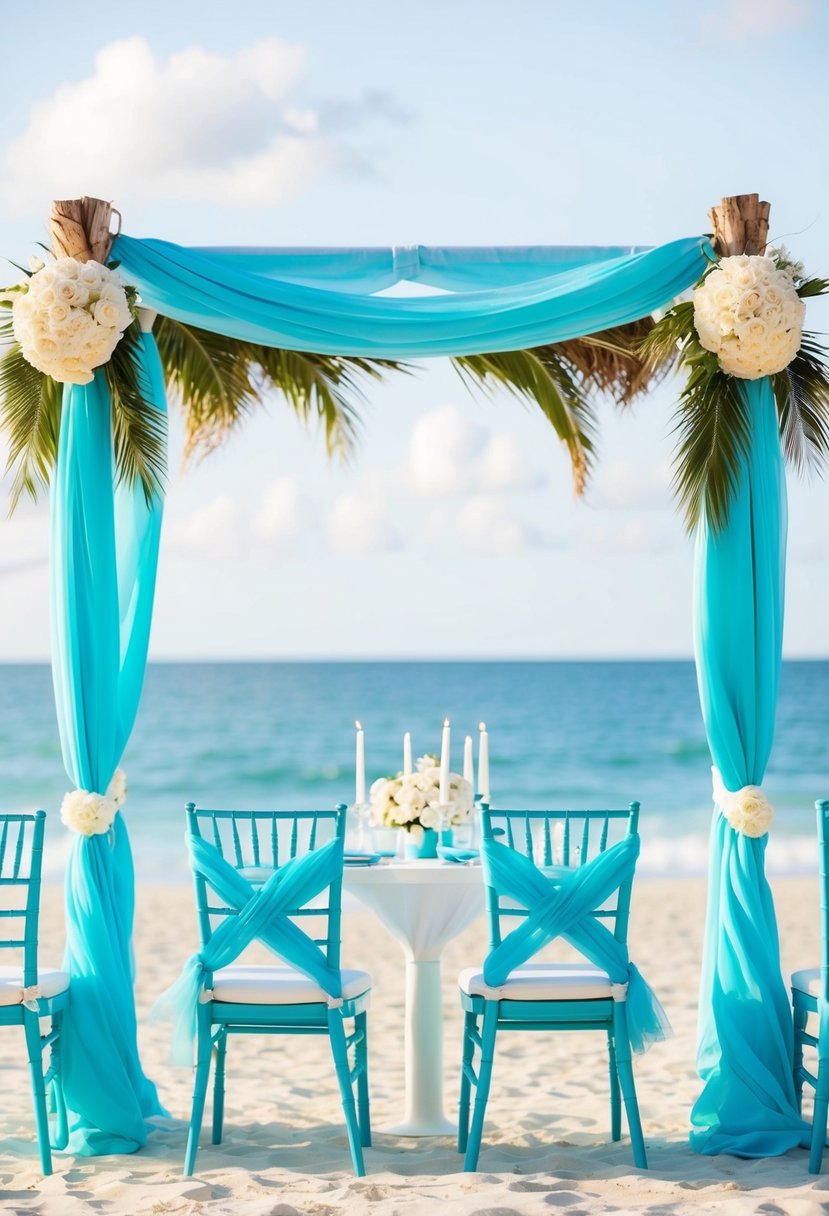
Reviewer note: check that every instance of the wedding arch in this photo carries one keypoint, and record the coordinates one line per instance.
(544, 321)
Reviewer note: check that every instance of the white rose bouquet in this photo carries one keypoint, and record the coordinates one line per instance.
(748, 313)
(413, 802)
(69, 316)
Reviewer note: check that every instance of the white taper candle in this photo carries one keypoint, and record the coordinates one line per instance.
(445, 747)
(483, 764)
(468, 764)
(360, 776)
(407, 754)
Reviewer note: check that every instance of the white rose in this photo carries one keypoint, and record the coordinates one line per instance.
(107, 312)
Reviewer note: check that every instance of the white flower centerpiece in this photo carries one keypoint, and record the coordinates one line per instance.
(68, 317)
(413, 804)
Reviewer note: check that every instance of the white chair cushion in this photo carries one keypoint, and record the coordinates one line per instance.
(807, 980)
(50, 983)
(541, 982)
(251, 985)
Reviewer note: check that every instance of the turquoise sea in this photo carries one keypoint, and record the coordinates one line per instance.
(261, 735)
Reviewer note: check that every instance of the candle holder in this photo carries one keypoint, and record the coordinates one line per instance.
(358, 833)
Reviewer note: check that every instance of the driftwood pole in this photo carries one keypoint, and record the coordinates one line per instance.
(740, 224)
(79, 228)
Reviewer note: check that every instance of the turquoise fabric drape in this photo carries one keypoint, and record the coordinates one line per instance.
(262, 913)
(104, 553)
(560, 905)
(223, 292)
(744, 1056)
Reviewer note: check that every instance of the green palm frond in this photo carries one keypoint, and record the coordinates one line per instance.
(30, 407)
(712, 425)
(210, 378)
(329, 387)
(540, 377)
(139, 432)
(802, 394)
(220, 381)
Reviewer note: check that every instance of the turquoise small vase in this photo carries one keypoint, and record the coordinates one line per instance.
(427, 848)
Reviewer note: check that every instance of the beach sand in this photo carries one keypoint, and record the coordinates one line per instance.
(546, 1142)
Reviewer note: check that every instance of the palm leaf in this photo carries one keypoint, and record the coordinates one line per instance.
(712, 425)
(539, 376)
(328, 386)
(802, 395)
(30, 409)
(220, 381)
(139, 431)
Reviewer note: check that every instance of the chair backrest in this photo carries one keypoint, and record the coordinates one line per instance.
(256, 843)
(21, 860)
(822, 809)
(555, 839)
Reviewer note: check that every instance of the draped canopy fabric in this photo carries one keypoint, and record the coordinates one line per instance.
(521, 298)
(747, 1106)
(104, 553)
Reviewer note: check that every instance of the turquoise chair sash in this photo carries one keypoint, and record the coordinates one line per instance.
(263, 914)
(561, 905)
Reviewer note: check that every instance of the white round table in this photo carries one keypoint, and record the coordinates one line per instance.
(423, 904)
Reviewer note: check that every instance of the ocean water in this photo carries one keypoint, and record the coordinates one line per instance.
(261, 735)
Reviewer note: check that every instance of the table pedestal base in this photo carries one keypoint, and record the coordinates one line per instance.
(424, 1054)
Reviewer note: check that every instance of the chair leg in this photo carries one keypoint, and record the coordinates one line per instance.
(219, 1088)
(800, 1016)
(625, 1068)
(488, 1033)
(60, 1139)
(336, 1033)
(615, 1096)
(469, 1025)
(361, 1060)
(202, 1076)
(819, 1116)
(31, 1028)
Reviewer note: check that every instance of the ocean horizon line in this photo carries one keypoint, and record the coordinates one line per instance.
(411, 660)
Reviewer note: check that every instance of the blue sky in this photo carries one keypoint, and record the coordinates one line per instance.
(452, 533)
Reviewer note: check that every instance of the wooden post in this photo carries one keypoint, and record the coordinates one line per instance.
(740, 224)
(79, 228)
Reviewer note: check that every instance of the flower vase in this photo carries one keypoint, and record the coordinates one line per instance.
(426, 849)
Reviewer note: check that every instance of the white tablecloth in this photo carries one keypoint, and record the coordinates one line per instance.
(423, 904)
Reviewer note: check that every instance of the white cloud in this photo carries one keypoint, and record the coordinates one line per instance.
(631, 536)
(214, 529)
(503, 466)
(486, 523)
(442, 449)
(450, 456)
(196, 125)
(759, 18)
(358, 526)
(282, 515)
(622, 484)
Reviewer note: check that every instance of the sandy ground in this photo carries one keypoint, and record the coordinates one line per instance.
(546, 1144)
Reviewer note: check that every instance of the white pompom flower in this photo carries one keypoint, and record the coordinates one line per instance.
(69, 317)
(88, 813)
(747, 810)
(748, 313)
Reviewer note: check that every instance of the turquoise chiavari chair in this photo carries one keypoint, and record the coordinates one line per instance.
(29, 993)
(550, 874)
(260, 875)
(810, 995)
